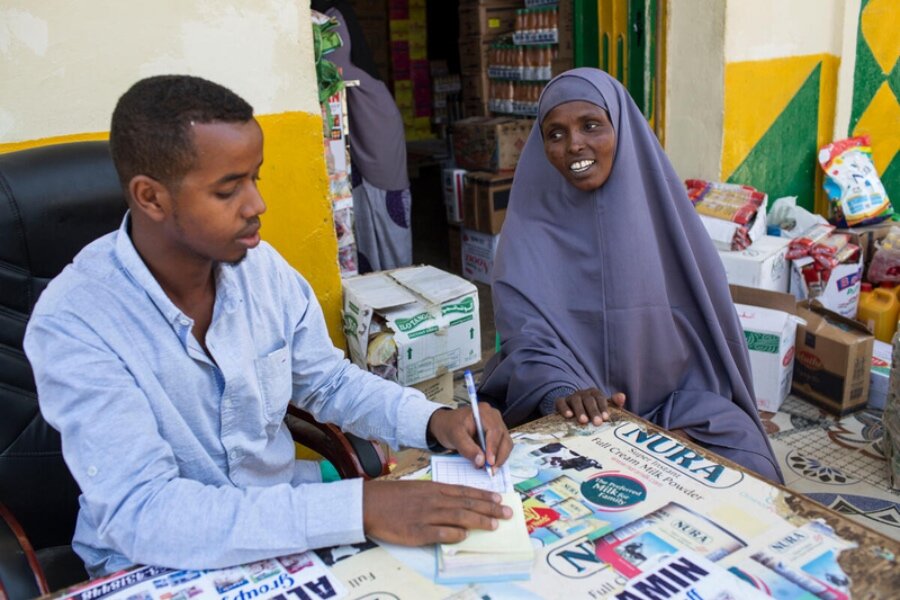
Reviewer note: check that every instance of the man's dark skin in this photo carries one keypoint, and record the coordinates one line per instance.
(183, 229)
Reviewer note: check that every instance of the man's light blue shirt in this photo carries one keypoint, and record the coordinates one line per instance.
(184, 460)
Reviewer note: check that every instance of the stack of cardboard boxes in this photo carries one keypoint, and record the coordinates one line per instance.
(817, 351)
(477, 193)
(480, 23)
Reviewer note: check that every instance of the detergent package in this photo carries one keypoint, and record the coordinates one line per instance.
(856, 194)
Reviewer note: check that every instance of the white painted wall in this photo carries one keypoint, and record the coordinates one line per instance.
(695, 80)
(64, 63)
(764, 29)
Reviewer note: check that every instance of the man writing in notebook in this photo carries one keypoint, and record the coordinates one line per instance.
(167, 352)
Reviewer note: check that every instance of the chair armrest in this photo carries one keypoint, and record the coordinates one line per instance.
(352, 456)
(21, 575)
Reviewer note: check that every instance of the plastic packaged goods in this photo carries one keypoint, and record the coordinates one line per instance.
(857, 196)
(801, 245)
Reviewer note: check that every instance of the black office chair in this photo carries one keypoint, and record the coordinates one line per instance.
(53, 201)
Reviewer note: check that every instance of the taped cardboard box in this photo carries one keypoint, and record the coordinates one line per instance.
(413, 324)
(490, 144)
(840, 293)
(478, 252)
(485, 201)
(770, 328)
(834, 359)
(762, 265)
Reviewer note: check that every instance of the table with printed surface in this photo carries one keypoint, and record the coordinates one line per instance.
(622, 510)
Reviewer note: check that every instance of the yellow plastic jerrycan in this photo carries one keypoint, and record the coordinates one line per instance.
(878, 310)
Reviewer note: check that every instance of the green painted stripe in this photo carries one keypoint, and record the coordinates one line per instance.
(783, 162)
(867, 75)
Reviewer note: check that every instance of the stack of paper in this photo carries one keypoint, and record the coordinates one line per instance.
(505, 553)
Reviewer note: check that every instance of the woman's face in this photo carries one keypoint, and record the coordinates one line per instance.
(579, 140)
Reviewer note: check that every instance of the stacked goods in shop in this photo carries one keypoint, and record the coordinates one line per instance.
(481, 23)
(446, 102)
(734, 215)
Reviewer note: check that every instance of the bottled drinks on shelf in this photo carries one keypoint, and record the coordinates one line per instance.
(518, 62)
(538, 25)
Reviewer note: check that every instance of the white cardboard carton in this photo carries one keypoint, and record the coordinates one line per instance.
(431, 315)
(879, 375)
(478, 251)
(762, 265)
(770, 336)
(722, 232)
(453, 183)
(841, 293)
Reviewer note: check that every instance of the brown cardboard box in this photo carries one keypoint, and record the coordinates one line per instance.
(834, 356)
(438, 389)
(473, 55)
(566, 34)
(454, 246)
(490, 144)
(475, 86)
(489, 22)
(865, 237)
(485, 200)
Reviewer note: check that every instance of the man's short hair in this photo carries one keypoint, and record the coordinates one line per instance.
(151, 125)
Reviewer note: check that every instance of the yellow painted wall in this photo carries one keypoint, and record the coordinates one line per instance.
(64, 64)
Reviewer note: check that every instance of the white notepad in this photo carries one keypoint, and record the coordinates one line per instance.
(506, 553)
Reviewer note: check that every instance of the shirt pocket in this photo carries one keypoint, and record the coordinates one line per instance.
(273, 372)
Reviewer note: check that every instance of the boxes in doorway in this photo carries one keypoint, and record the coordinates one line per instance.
(485, 201)
(490, 143)
(761, 265)
(840, 293)
(488, 22)
(478, 251)
(770, 328)
(879, 375)
(454, 183)
(411, 324)
(834, 359)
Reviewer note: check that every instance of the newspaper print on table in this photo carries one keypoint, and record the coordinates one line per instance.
(298, 577)
(609, 508)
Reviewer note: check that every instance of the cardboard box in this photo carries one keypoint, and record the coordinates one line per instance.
(879, 375)
(722, 232)
(473, 55)
(453, 181)
(770, 328)
(866, 236)
(438, 389)
(485, 201)
(478, 252)
(762, 265)
(411, 324)
(841, 293)
(490, 144)
(488, 22)
(834, 358)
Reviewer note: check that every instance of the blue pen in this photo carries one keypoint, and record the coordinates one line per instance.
(473, 398)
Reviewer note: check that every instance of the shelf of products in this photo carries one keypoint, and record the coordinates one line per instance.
(521, 63)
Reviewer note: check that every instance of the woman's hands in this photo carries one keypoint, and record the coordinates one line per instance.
(589, 405)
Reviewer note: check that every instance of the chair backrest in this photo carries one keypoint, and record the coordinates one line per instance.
(53, 201)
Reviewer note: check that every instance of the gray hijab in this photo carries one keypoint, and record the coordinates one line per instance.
(619, 288)
(377, 137)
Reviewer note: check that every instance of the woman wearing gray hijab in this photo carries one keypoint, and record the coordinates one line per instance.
(382, 202)
(606, 287)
